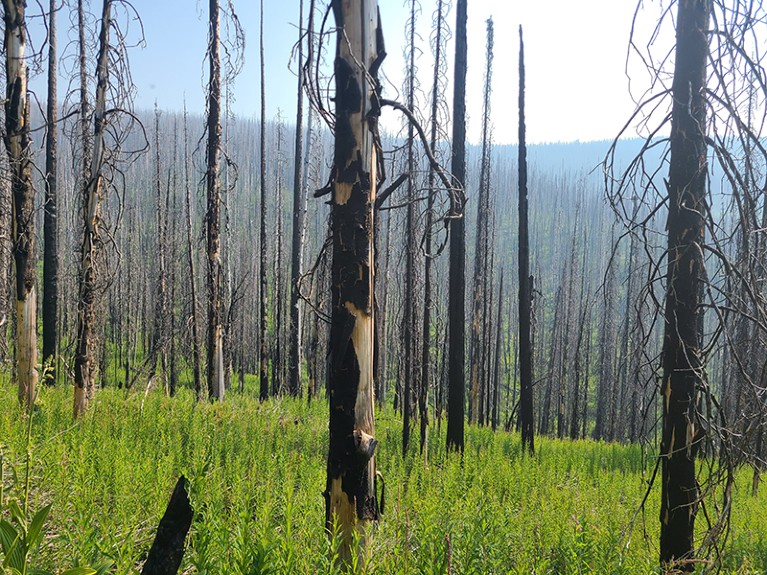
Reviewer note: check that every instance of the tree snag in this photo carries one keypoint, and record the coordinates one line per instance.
(457, 264)
(683, 368)
(350, 493)
(17, 144)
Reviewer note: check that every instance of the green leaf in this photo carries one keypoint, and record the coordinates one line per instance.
(17, 513)
(16, 554)
(8, 535)
(35, 571)
(79, 571)
(35, 528)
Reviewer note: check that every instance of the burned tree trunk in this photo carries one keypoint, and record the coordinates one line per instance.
(196, 343)
(683, 369)
(457, 263)
(294, 358)
(525, 279)
(86, 353)
(263, 359)
(50, 221)
(17, 144)
(350, 491)
(213, 216)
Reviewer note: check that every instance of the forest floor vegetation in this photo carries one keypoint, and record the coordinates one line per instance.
(256, 472)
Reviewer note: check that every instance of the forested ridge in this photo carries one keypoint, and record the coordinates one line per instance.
(224, 299)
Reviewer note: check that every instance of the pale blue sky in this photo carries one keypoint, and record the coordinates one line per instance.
(576, 85)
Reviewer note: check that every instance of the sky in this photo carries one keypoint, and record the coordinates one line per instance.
(577, 84)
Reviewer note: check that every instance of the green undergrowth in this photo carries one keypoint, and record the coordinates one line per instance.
(257, 471)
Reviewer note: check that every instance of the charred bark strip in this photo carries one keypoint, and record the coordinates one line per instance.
(525, 279)
(17, 144)
(50, 221)
(457, 264)
(683, 368)
(350, 494)
(167, 550)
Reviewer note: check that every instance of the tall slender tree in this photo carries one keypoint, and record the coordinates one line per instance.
(17, 145)
(213, 217)
(525, 279)
(263, 355)
(294, 359)
(91, 254)
(457, 263)
(50, 219)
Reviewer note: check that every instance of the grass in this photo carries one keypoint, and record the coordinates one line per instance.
(256, 473)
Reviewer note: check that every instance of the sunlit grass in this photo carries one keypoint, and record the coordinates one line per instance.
(257, 472)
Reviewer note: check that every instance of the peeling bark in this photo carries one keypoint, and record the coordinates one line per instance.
(350, 490)
(17, 144)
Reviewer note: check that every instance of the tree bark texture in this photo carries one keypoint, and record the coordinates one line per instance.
(682, 362)
(350, 491)
(86, 353)
(17, 145)
(457, 264)
(525, 280)
(50, 218)
(213, 217)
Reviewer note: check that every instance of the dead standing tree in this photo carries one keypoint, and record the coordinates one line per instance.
(213, 216)
(17, 145)
(350, 494)
(717, 60)
(86, 363)
(100, 174)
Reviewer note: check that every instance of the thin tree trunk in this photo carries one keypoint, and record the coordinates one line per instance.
(196, 341)
(427, 297)
(408, 317)
(213, 218)
(456, 296)
(263, 359)
(497, 365)
(525, 279)
(50, 225)
(294, 359)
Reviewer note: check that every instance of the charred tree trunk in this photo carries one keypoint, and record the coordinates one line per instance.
(456, 295)
(683, 369)
(50, 221)
(350, 491)
(479, 299)
(525, 280)
(294, 359)
(408, 317)
(427, 297)
(17, 144)
(86, 354)
(263, 355)
(196, 342)
(213, 216)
